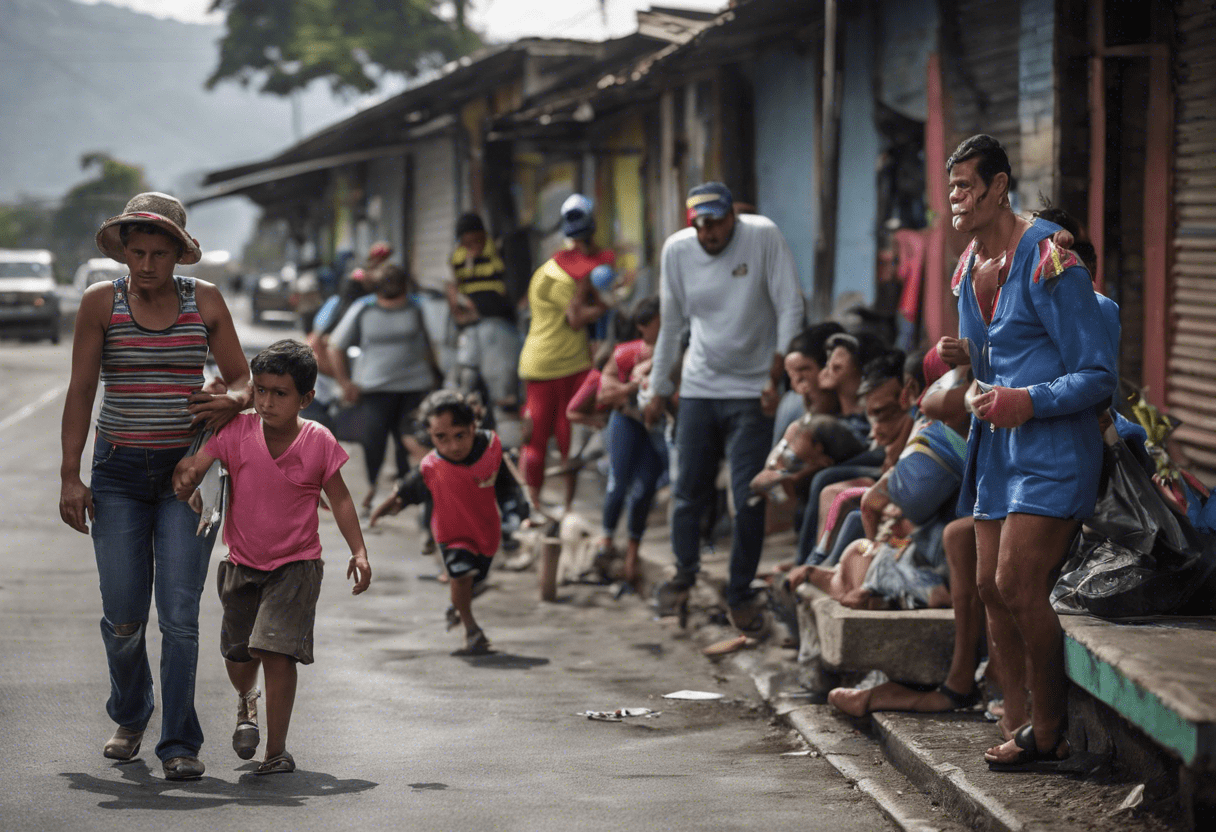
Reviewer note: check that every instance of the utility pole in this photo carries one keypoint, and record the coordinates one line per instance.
(827, 163)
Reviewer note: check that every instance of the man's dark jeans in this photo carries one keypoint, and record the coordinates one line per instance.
(706, 430)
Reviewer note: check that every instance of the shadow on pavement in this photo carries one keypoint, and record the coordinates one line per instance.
(139, 789)
(504, 661)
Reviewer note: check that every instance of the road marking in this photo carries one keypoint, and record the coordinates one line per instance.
(32, 408)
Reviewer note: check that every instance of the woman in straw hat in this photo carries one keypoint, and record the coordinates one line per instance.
(146, 336)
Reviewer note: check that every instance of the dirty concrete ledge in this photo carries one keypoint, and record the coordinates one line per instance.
(925, 771)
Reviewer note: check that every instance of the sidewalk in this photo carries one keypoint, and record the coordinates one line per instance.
(926, 771)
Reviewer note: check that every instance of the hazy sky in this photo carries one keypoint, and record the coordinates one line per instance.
(499, 20)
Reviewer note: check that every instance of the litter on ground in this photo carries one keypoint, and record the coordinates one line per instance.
(693, 694)
(619, 714)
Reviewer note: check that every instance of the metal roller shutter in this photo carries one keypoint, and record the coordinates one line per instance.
(1191, 387)
(434, 210)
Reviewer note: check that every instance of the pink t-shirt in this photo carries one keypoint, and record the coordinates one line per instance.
(466, 510)
(272, 519)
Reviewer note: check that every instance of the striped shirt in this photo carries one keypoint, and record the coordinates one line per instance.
(149, 374)
(482, 276)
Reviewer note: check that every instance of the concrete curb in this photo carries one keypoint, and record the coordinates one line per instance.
(890, 802)
(944, 781)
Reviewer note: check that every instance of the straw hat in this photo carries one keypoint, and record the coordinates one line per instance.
(161, 210)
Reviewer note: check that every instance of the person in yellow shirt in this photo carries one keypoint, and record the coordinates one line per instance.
(556, 356)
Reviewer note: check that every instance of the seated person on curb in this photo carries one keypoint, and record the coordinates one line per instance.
(902, 567)
(841, 375)
(810, 444)
(848, 356)
(919, 487)
(464, 476)
(804, 360)
(888, 397)
(269, 583)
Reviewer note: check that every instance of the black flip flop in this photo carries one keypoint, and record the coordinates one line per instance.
(960, 701)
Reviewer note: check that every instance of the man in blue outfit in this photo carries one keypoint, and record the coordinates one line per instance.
(1043, 360)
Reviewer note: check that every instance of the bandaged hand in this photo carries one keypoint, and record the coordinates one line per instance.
(1004, 407)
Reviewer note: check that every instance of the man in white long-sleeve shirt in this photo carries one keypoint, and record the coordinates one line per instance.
(730, 282)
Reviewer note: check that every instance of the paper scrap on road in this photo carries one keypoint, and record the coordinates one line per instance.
(619, 714)
(693, 694)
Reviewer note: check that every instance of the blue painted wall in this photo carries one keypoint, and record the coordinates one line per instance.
(856, 218)
(784, 84)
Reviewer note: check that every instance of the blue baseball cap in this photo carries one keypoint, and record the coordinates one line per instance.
(711, 199)
(578, 218)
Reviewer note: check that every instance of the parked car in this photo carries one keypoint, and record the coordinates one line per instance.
(29, 305)
(274, 293)
(97, 270)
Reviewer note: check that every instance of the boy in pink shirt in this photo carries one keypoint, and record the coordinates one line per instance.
(464, 475)
(268, 585)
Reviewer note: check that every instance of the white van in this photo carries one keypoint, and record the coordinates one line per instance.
(96, 270)
(29, 305)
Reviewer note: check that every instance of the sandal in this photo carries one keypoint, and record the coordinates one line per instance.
(279, 764)
(1029, 757)
(960, 701)
(476, 644)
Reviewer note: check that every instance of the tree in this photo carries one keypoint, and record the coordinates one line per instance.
(87, 205)
(25, 224)
(286, 44)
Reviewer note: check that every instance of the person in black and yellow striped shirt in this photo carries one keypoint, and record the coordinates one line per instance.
(477, 294)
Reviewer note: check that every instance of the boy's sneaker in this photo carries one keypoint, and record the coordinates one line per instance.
(475, 644)
(245, 738)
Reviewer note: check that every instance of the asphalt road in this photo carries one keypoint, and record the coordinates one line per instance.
(390, 730)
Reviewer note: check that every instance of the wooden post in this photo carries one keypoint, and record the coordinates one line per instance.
(550, 554)
(1097, 139)
(828, 169)
(1157, 203)
(671, 202)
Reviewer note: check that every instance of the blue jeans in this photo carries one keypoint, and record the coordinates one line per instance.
(637, 458)
(705, 430)
(144, 542)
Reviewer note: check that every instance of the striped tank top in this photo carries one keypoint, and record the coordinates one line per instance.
(149, 374)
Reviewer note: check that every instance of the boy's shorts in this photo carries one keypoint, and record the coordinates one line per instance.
(272, 611)
(461, 562)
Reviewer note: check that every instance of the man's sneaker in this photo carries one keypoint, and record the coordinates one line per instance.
(245, 738)
(453, 617)
(184, 768)
(124, 745)
(749, 617)
(671, 598)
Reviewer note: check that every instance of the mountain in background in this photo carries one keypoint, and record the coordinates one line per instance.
(76, 79)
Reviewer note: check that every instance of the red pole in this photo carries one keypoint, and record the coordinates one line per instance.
(935, 184)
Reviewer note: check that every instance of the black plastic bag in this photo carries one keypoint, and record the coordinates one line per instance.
(1137, 557)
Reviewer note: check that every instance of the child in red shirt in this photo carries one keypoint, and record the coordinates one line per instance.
(465, 477)
(271, 578)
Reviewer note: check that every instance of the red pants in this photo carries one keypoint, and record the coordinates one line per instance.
(546, 403)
